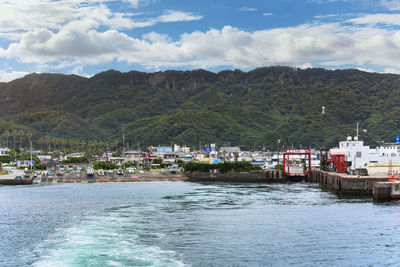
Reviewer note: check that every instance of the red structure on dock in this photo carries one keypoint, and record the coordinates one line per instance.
(296, 163)
(339, 161)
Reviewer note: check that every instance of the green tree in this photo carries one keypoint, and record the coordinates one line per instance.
(21, 135)
(7, 134)
(14, 134)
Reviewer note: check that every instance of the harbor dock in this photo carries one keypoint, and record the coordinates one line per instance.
(379, 187)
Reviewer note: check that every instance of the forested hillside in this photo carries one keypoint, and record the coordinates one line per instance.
(246, 109)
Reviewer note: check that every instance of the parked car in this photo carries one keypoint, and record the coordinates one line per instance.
(131, 169)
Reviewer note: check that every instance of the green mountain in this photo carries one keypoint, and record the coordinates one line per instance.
(246, 109)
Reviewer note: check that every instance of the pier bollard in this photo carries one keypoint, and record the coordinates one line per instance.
(382, 191)
(395, 194)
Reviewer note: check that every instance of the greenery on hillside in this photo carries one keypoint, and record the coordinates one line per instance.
(248, 109)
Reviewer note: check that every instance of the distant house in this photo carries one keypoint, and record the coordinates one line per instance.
(135, 156)
(184, 149)
(164, 149)
(4, 151)
(228, 153)
(116, 160)
(185, 157)
(44, 158)
(74, 155)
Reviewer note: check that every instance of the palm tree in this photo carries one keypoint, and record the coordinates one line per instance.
(29, 135)
(21, 134)
(14, 134)
(7, 134)
(47, 140)
(41, 141)
(236, 155)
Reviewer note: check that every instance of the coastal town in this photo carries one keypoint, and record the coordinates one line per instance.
(351, 156)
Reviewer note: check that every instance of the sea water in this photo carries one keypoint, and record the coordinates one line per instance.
(189, 224)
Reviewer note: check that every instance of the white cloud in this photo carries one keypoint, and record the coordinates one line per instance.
(367, 70)
(18, 16)
(6, 76)
(268, 14)
(391, 70)
(174, 16)
(330, 44)
(77, 36)
(374, 19)
(304, 66)
(391, 4)
(250, 9)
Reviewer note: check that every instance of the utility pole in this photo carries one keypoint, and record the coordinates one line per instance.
(31, 153)
(277, 144)
(357, 129)
(123, 144)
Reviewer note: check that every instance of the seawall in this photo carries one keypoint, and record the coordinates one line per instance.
(241, 177)
(126, 177)
(345, 184)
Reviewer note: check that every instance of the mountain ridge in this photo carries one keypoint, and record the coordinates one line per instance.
(234, 107)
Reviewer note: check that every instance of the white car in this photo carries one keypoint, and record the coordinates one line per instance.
(131, 169)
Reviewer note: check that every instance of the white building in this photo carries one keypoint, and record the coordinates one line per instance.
(359, 155)
(4, 151)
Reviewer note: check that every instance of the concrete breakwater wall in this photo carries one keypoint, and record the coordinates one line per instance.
(345, 184)
(239, 177)
(126, 177)
(15, 182)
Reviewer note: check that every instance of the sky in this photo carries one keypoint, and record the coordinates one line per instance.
(87, 37)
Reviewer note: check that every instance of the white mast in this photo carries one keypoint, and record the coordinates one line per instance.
(123, 144)
(357, 129)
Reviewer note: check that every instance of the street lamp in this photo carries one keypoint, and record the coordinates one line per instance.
(277, 144)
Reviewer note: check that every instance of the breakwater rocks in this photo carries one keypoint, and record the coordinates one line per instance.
(126, 177)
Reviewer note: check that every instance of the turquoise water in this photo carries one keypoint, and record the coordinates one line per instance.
(187, 224)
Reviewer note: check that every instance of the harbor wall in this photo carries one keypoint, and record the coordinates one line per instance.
(237, 177)
(345, 184)
(15, 182)
(126, 177)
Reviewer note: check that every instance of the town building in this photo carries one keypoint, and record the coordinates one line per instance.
(358, 155)
(4, 151)
(226, 154)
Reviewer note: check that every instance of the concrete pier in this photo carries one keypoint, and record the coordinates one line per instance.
(384, 191)
(126, 177)
(345, 184)
(237, 177)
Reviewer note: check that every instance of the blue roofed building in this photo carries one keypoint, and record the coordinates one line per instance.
(163, 149)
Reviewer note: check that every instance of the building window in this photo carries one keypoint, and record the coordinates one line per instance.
(358, 154)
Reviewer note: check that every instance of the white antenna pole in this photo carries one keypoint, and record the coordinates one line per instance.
(31, 153)
(123, 144)
(357, 128)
